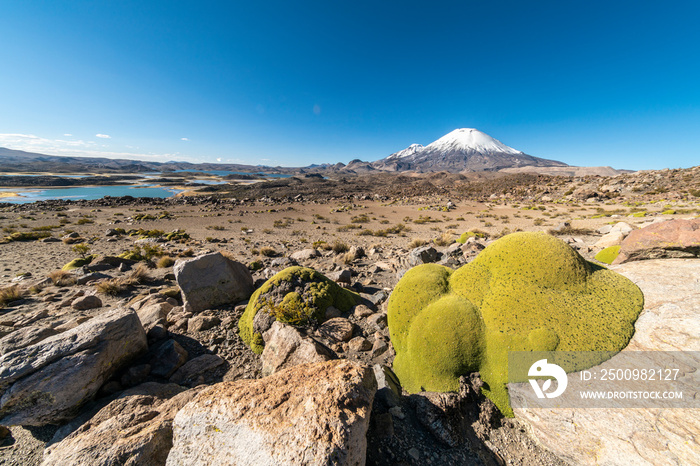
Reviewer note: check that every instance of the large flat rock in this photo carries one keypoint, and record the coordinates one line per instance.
(640, 436)
(47, 383)
(307, 414)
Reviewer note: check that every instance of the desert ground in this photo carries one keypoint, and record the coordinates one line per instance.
(365, 225)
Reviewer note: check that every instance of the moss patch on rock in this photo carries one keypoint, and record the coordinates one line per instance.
(299, 290)
(77, 263)
(608, 255)
(524, 292)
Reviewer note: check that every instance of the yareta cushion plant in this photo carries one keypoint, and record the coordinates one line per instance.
(294, 295)
(524, 292)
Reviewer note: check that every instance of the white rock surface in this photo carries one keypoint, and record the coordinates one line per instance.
(638, 436)
(308, 414)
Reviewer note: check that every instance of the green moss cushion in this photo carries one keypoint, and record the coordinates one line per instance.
(524, 292)
(608, 255)
(297, 288)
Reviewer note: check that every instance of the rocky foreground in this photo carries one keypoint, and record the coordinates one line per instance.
(132, 355)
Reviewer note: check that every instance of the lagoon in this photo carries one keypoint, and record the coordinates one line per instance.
(85, 192)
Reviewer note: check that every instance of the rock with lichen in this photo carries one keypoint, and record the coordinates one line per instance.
(296, 295)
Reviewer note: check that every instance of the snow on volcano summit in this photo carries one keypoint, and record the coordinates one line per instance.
(469, 140)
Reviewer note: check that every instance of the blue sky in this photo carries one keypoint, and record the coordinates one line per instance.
(295, 83)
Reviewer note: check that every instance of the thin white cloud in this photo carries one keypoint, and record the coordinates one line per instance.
(68, 135)
(218, 159)
(103, 136)
(61, 147)
(184, 139)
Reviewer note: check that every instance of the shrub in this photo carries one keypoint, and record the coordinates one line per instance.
(525, 292)
(416, 243)
(267, 251)
(472, 234)
(28, 235)
(444, 240)
(62, 278)
(10, 293)
(81, 249)
(164, 262)
(340, 247)
(77, 263)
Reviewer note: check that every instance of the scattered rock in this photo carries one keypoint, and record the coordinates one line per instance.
(285, 347)
(422, 255)
(211, 280)
(168, 357)
(361, 311)
(202, 323)
(338, 328)
(359, 344)
(341, 276)
(308, 414)
(83, 303)
(195, 367)
(305, 255)
(153, 314)
(47, 382)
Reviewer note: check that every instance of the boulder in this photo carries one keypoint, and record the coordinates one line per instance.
(308, 414)
(46, 383)
(422, 255)
(211, 280)
(83, 303)
(305, 254)
(645, 436)
(610, 239)
(195, 367)
(134, 429)
(671, 239)
(153, 314)
(24, 337)
(285, 347)
(168, 357)
(202, 323)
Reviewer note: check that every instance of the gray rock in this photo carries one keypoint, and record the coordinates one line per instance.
(211, 280)
(305, 254)
(341, 276)
(361, 311)
(168, 357)
(135, 375)
(91, 277)
(153, 314)
(195, 367)
(332, 312)
(83, 303)
(358, 344)
(24, 337)
(285, 347)
(422, 255)
(377, 321)
(202, 323)
(308, 414)
(388, 385)
(47, 382)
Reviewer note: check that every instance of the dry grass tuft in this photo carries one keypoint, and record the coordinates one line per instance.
(62, 278)
(165, 262)
(138, 275)
(416, 243)
(11, 293)
(268, 251)
(445, 239)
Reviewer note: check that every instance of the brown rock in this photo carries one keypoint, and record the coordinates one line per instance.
(135, 429)
(202, 323)
(308, 414)
(672, 239)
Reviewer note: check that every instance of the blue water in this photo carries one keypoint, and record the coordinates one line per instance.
(227, 172)
(86, 192)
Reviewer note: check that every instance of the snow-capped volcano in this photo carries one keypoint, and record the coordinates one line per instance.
(469, 140)
(464, 149)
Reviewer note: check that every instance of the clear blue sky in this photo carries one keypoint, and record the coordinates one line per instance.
(293, 83)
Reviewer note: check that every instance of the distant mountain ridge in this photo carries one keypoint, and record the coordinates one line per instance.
(464, 149)
(20, 161)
